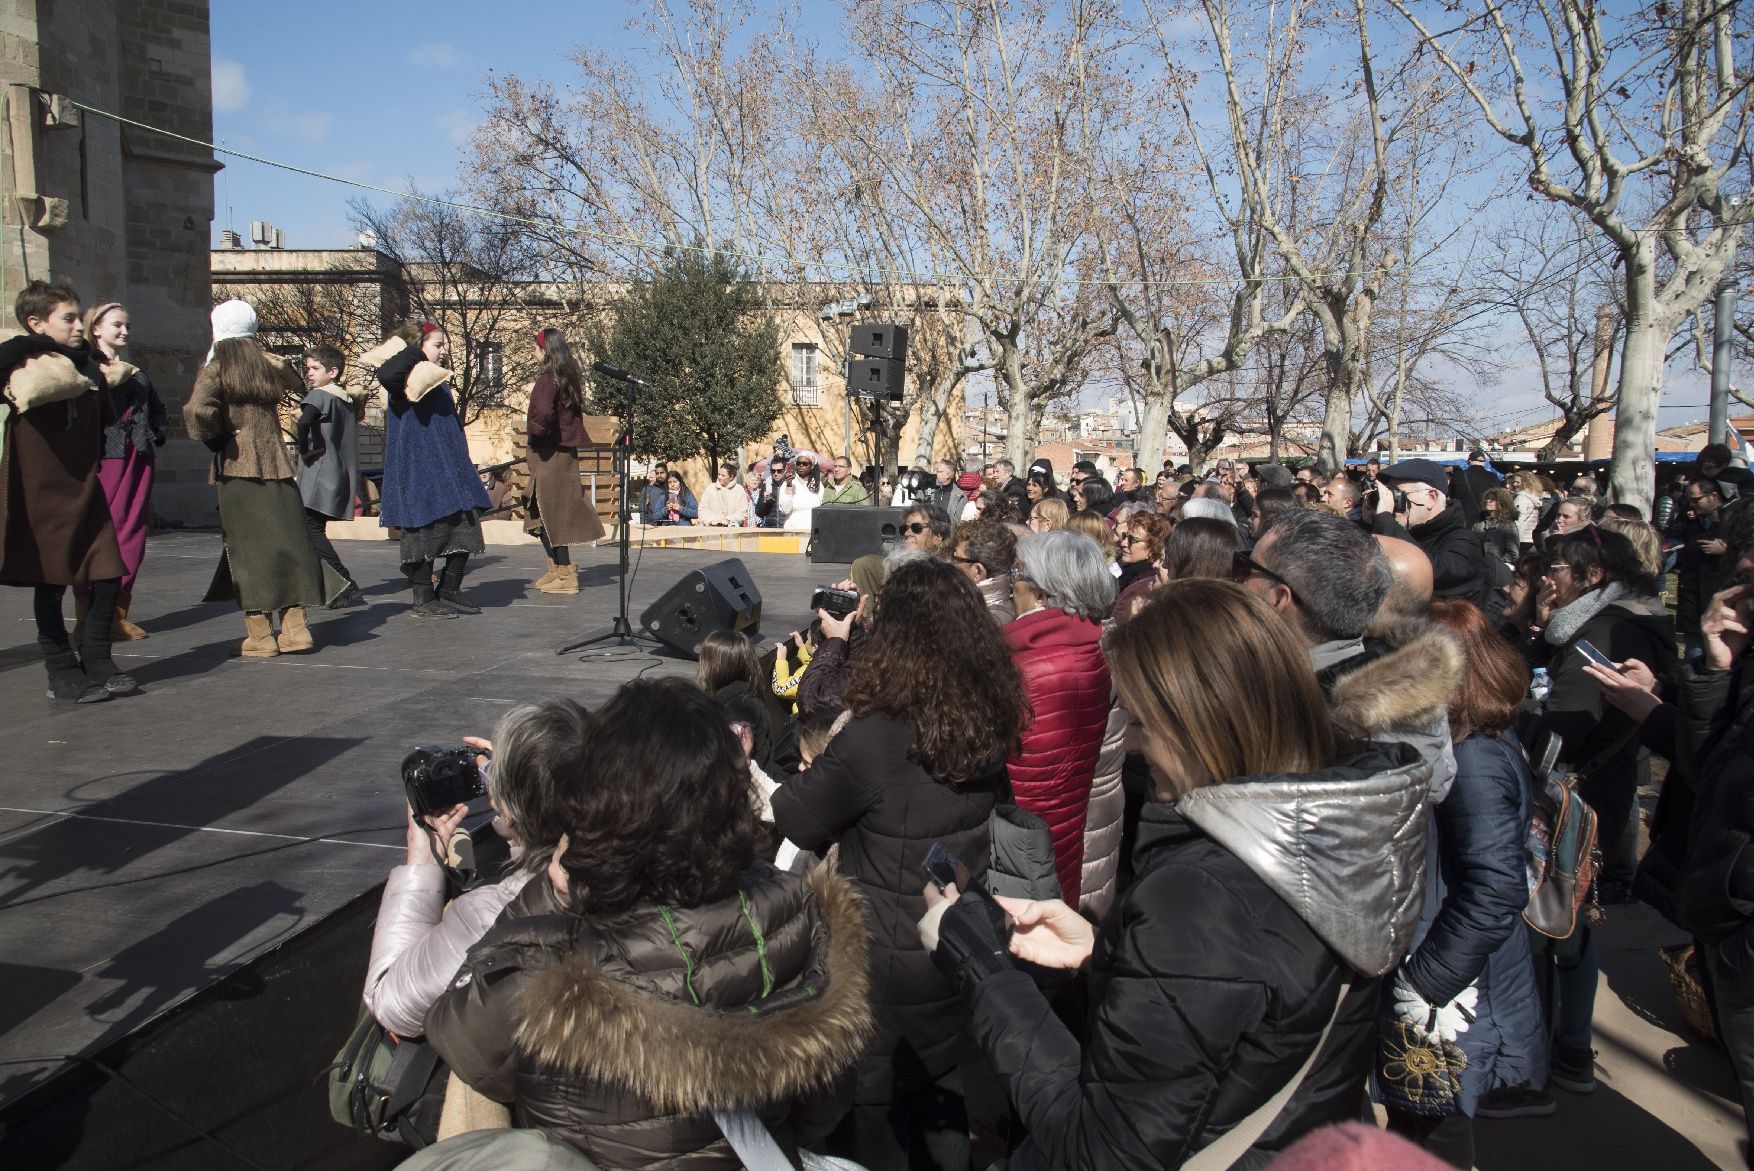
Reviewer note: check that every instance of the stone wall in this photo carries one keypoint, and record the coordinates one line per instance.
(122, 213)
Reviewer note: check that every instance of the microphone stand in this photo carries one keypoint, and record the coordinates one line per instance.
(620, 632)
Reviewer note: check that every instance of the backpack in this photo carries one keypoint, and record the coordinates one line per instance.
(1561, 852)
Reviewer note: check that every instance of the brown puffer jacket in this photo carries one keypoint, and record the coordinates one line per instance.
(622, 1033)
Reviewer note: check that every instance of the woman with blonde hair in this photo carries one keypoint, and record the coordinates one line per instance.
(1049, 514)
(1096, 528)
(1246, 957)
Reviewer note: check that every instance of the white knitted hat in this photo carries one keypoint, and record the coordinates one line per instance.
(233, 318)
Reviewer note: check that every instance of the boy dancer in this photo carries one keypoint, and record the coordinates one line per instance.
(55, 526)
(328, 448)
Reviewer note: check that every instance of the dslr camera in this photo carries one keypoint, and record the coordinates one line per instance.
(835, 603)
(438, 778)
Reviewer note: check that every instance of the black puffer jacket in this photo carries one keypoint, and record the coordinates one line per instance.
(1715, 897)
(621, 1033)
(1216, 972)
(1458, 560)
(885, 811)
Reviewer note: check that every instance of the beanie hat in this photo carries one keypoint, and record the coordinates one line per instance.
(232, 319)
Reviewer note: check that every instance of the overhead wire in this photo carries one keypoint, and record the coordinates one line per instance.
(787, 260)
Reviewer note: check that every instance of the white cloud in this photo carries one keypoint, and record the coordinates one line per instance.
(439, 54)
(231, 89)
(459, 125)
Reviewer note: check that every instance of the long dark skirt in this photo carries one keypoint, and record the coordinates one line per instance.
(458, 533)
(268, 562)
(558, 503)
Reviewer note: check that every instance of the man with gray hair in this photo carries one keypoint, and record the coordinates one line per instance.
(1389, 679)
(984, 550)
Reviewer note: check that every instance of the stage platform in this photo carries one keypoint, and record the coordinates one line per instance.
(152, 845)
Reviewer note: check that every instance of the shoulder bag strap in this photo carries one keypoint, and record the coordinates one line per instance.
(1225, 1150)
(751, 1141)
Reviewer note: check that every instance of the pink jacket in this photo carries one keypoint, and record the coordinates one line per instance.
(1066, 681)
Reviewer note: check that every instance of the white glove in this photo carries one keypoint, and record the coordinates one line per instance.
(1451, 1019)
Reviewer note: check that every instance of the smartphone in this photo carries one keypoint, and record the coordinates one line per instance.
(1588, 650)
(944, 868)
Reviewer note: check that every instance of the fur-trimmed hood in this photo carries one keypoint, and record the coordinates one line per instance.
(1398, 687)
(605, 1016)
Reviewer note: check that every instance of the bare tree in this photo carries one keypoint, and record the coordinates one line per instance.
(1345, 141)
(1648, 142)
(470, 274)
(1553, 276)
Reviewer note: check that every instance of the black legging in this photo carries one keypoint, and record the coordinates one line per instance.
(317, 525)
(556, 553)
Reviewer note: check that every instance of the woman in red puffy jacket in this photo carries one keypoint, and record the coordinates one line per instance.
(1063, 591)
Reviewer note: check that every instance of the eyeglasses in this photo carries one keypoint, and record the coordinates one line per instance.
(961, 560)
(1243, 566)
(1127, 539)
(915, 527)
(1077, 480)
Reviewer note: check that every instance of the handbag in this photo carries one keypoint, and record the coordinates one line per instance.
(1021, 858)
(1418, 1072)
(385, 1086)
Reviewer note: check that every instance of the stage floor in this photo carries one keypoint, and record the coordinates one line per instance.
(152, 844)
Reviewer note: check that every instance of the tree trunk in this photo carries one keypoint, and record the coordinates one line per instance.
(1641, 382)
(1153, 434)
(1275, 438)
(1336, 419)
(1020, 425)
(932, 410)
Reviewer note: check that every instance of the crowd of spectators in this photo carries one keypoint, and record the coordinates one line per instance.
(1145, 824)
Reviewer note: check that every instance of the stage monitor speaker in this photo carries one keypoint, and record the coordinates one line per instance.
(878, 377)
(841, 532)
(879, 340)
(720, 597)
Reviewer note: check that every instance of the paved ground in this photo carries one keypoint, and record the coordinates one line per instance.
(151, 844)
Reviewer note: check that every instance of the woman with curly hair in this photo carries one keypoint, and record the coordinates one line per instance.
(658, 972)
(1141, 538)
(921, 761)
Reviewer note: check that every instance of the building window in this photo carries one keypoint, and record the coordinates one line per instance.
(489, 367)
(806, 391)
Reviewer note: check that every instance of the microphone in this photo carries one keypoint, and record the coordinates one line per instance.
(616, 373)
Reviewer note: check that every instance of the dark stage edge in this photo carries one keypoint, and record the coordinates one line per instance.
(154, 845)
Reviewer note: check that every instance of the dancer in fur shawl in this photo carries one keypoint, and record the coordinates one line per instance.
(432, 491)
(268, 563)
(55, 524)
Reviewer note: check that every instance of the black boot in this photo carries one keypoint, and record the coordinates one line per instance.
(450, 590)
(94, 648)
(426, 603)
(66, 680)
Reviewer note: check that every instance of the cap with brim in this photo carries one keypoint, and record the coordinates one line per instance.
(1418, 471)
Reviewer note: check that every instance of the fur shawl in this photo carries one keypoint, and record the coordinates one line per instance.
(688, 1059)
(46, 378)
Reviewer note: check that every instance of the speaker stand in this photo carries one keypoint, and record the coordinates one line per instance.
(620, 634)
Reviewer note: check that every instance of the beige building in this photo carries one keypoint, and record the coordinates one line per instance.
(122, 213)
(353, 298)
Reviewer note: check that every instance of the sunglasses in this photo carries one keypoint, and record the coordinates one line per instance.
(1243, 566)
(915, 527)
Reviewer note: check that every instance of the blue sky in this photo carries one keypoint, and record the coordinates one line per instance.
(387, 93)
(377, 92)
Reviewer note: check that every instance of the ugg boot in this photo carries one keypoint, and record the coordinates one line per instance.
(81, 607)
(565, 581)
(94, 645)
(294, 634)
(123, 630)
(450, 587)
(542, 582)
(260, 644)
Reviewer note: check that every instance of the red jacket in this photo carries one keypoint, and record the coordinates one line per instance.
(1065, 679)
